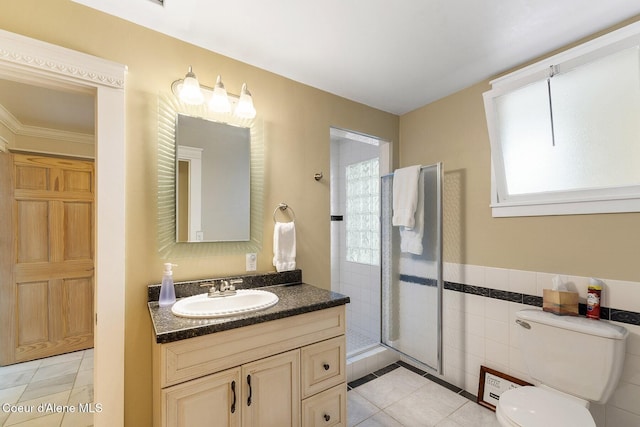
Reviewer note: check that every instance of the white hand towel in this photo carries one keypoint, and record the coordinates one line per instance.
(411, 238)
(284, 246)
(405, 196)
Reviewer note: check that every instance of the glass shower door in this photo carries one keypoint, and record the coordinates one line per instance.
(412, 283)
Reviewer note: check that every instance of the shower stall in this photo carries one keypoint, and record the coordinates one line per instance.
(355, 233)
(396, 302)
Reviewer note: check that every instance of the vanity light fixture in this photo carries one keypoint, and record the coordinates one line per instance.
(191, 92)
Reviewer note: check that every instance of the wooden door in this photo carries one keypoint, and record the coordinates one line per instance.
(47, 261)
(271, 394)
(211, 401)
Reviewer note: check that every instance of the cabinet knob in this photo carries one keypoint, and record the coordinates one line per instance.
(327, 417)
(326, 366)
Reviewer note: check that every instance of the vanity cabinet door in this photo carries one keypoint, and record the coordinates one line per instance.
(211, 401)
(271, 391)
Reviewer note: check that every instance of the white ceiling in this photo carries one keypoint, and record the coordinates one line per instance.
(392, 55)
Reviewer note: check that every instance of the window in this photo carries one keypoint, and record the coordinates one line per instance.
(565, 133)
(363, 212)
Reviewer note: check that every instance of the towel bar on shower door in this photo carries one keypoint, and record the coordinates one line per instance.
(283, 207)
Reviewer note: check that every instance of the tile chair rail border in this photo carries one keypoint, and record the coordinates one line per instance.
(606, 313)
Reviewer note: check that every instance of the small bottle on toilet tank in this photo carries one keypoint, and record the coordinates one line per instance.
(594, 294)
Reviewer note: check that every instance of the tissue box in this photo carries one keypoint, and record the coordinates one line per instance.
(560, 302)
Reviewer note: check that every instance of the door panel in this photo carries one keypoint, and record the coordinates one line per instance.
(33, 231)
(33, 309)
(47, 286)
(32, 178)
(78, 181)
(78, 221)
(78, 292)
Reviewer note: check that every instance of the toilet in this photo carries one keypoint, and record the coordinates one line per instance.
(574, 361)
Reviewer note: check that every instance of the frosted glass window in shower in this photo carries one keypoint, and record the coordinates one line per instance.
(362, 213)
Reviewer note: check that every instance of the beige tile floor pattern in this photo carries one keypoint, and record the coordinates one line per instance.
(59, 380)
(403, 398)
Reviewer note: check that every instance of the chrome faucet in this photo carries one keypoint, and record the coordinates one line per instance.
(225, 288)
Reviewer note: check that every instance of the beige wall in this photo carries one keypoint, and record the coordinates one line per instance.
(454, 130)
(296, 124)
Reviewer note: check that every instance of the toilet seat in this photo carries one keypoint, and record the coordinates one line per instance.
(534, 407)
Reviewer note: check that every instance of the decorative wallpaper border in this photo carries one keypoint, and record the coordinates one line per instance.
(606, 313)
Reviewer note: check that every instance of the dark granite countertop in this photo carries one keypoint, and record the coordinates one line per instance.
(294, 299)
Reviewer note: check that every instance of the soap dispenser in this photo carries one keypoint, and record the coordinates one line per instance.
(167, 290)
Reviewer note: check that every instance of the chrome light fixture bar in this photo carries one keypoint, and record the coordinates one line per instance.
(191, 92)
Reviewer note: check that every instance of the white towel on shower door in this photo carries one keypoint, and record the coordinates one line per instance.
(411, 238)
(284, 246)
(405, 196)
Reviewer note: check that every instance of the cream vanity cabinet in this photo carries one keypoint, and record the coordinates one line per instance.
(284, 372)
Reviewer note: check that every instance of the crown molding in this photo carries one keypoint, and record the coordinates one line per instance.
(4, 145)
(9, 120)
(21, 51)
(15, 126)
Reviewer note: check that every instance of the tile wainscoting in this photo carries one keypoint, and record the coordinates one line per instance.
(479, 329)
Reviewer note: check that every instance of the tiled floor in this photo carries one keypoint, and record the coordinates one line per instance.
(36, 388)
(403, 396)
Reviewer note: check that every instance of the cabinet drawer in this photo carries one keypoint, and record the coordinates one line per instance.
(323, 365)
(325, 409)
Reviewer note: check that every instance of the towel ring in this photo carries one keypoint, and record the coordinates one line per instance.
(283, 207)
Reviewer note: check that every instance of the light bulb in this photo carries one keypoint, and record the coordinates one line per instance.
(245, 107)
(219, 102)
(190, 92)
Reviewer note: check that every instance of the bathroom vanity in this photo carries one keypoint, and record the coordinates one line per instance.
(282, 366)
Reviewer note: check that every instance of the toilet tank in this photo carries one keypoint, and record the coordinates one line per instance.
(579, 356)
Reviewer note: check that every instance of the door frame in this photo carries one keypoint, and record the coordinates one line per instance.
(32, 61)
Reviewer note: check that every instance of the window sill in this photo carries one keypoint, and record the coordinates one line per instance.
(577, 207)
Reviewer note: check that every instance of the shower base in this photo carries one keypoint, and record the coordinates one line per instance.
(368, 359)
(358, 343)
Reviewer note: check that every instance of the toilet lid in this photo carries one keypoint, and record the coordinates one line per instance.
(535, 407)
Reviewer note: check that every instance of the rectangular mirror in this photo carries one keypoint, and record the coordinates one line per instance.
(212, 181)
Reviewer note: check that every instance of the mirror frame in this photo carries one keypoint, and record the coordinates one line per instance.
(169, 107)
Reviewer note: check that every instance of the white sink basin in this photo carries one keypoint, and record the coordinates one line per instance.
(244, 301)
